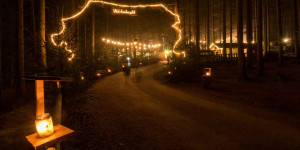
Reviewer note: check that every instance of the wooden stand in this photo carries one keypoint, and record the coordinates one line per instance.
(60, 132)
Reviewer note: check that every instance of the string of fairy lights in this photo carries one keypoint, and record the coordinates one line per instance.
(130, 44)
(64, 44)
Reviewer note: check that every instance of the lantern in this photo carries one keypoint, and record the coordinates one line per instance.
(82, 76)
(44, 125)
(207, 72)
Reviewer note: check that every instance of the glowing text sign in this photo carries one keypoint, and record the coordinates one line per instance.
(120, 11)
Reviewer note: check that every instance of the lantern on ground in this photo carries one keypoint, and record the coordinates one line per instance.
(206, 78)
(98, 73)
(207, 72)
(82, 76)
(44, 125)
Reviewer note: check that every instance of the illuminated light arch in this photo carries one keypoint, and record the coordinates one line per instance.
(63, 20)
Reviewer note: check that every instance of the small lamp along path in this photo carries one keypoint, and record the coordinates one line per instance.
(63, 20)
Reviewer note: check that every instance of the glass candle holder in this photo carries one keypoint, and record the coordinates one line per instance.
(44, 125)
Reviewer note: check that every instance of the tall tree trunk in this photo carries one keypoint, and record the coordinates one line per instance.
(197, 33)
(224, 30)
(296, 29)
(241, 56)
(184, 21)
(249, 33)
(43, 33)
(280, 35)
(230, 14)
(93, 34)
(85, 53)
(220, 31)
(207, 26)
(190, 21)
(1, 49)
(255, 21)
(213, 22)
(260, 64)
(267, 27)
(21, 81)
(73, 9)
(78, 41)
(34, 30)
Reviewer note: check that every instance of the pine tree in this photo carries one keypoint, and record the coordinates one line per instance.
(260, 64)
(241, 56)
(43, 33)
(279, 24)
(249, 33)
(0, 49)
(296, 29)
(207, 25)
(230, 15)
(34, 29)
(21, 81)
(224, 30)
(197, 33)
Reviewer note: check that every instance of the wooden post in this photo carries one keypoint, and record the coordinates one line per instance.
(39, 90)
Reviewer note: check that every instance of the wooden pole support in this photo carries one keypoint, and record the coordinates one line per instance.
(39, 90)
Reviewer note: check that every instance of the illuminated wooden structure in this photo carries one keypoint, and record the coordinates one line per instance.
(206, 78)
(60, 132)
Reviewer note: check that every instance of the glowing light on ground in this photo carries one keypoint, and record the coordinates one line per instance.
(63, 22)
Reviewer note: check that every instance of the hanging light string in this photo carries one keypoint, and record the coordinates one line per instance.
(128, 44)
(63, 21)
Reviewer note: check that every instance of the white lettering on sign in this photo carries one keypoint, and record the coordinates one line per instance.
(124, 11)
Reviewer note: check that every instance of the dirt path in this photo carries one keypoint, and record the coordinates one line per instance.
(150, 115)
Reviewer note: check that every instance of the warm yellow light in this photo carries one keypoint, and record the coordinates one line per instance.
(169, 72)
(175, 26)
(82, 78)
(286, 40)
(41, 126)
(126, 12)
(44, 125)
(103, 39)
(207, 72)
(108, 70)
(98, 74)
(213, 44)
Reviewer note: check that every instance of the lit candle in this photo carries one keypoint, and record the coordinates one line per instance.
(44, 125)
